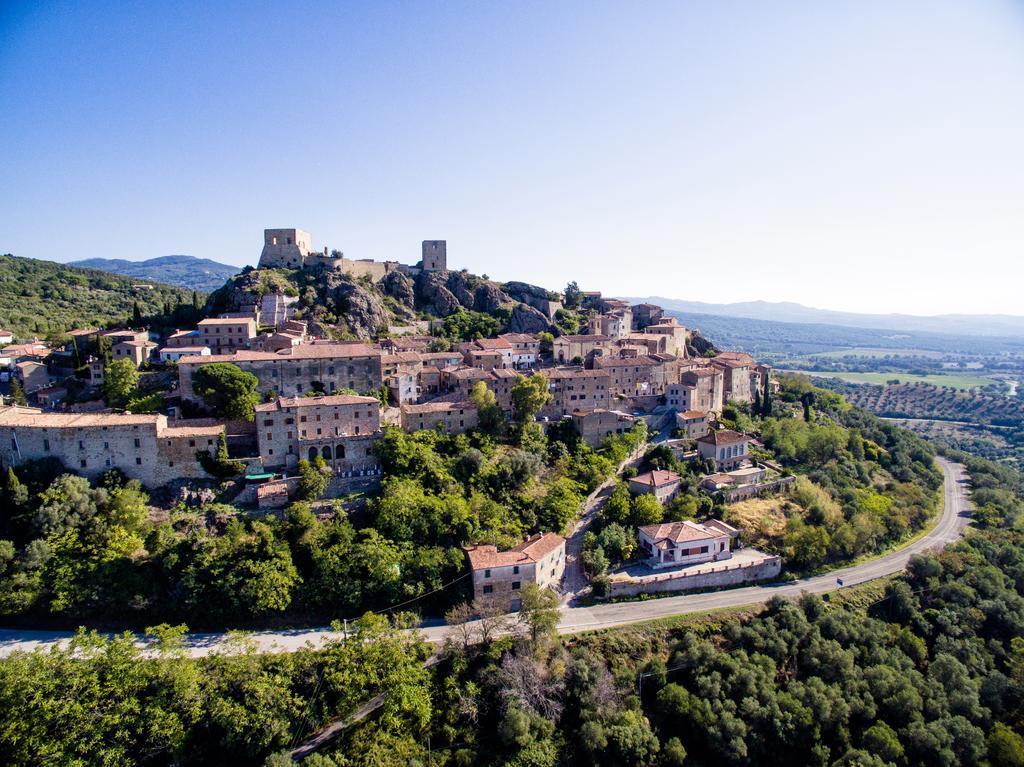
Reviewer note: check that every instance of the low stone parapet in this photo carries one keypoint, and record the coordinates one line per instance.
(716, 576)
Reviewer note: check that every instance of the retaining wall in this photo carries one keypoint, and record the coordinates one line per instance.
(725, 575)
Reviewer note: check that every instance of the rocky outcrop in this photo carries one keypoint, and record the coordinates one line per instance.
(526, 319)
(522, 290)
(353, 305)
(433, 296)
(698, 346)
(489, 297)
(459, 286)
(399, 287)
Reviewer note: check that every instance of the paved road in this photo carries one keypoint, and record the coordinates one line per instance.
(575, 619)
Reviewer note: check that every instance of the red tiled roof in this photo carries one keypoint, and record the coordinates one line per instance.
(656, 478)
(724, 437)
(678, 532)
(533, 549)
(325, 401)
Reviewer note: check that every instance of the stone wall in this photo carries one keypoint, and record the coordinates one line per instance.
(723, 575)
(743, 492)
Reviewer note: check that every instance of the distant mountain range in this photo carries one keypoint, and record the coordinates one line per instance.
(200, 274)
(952, 324)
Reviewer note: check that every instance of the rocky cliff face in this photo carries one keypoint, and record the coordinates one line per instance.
(399, 287)
(433, 296)
(526, 319)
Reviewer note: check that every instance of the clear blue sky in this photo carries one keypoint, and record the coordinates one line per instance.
(866, 156)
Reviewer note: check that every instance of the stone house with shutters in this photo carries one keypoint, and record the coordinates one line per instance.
(450, 417)
(499, 576)
(298, 370)
(148, 448)
(341, 429)
(576, 389)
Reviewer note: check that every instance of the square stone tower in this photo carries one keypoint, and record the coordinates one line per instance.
(285, 248)
(435, 255)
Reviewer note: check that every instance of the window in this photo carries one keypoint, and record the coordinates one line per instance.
(138, 461)
(83, 463)
(270, 436)
(46, 445)
(515, 570)
(515, 585)
(302, 419)
(81, 445)
(191, 443)
(268, 422)
(488, 589)
(487, 573)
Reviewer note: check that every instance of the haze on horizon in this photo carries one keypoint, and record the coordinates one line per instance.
(856, 156)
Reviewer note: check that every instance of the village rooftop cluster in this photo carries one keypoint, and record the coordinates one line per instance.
(633, 363)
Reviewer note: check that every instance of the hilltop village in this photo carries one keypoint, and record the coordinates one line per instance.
(327, 403)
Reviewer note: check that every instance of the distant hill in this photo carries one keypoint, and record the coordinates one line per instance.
(42, 297)
(952, 324)
(190, 272)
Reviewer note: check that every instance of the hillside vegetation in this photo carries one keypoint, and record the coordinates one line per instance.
(41, 298)
(188, 272)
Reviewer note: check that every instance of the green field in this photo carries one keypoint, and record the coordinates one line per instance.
(957, 381)
(880, 353)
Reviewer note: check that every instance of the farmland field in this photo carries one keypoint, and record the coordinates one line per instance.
(957, 381)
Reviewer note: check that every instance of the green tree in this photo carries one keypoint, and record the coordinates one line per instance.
(529, 395)
(137, 321)
(226, 388)
(17, 393)
(646, 510)
(573, 296)
(120, 382)
(538, 612)
(1005, 747)
(490, 415)
(313, 478)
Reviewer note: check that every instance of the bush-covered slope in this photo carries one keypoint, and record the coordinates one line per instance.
(38, 298)
(187, 272)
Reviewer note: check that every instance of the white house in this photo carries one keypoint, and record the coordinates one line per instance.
(727, 448)
(173, 354)
(686, 543)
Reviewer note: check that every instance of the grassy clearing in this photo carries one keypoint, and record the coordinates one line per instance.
(957, 381)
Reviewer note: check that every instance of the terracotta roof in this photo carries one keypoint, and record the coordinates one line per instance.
(33, 417)
(76, 332)
(583, 339)
(226, 320)
(690, 415)
(533, 549)
(185, 350)
(677, 532)
(493, 343)
(656, 478)
(198, 428)
(539, 545)
(608, 362)
(520, 338)
(393, 359)
(325, 401)
(437, 407)
(558, 373)
(724, 437)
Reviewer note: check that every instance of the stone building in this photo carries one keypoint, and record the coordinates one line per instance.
(342, 429)
(660, 483)
(698, 389)
(675, 334)
(594, 426)
(285, 248)
(300, 369)
(449, 417)
(499, 576)
(736, 368)
(576, 389)
(630, 376)
(572, 349)
(435, 256)
(693, 423)
(614, 324)
(459, 382)
(646, 314)
(224, 335)
(145, 447)
(138, 352)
